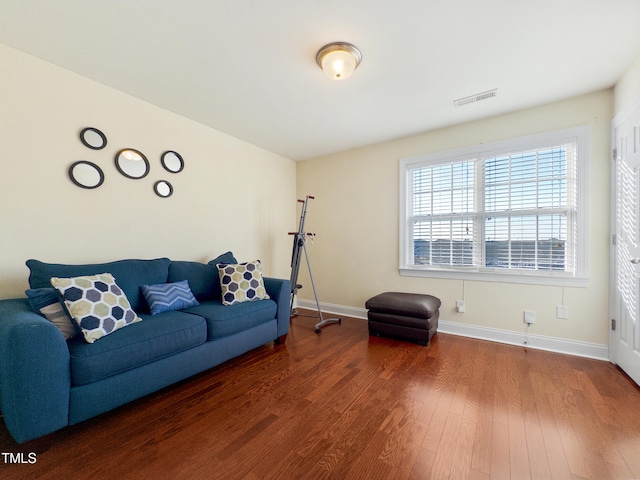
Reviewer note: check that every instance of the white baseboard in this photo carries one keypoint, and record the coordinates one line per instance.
(538, 342)
(332, 308)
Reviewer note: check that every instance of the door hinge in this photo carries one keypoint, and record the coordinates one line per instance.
(614, 239)
(613, 324)
(614, 154)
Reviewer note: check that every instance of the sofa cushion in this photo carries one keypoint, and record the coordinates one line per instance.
(156, 337)
(242, 282)
(129, 274)
(165, 297)
(46, 301)
(96, 304)
(203, 278)
(223, 320)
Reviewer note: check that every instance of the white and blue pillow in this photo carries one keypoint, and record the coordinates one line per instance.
(46, 301)
(164, 297)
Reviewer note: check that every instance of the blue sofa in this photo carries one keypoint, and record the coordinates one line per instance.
(48, 382)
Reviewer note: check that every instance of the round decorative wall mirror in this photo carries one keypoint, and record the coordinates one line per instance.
(172, 161)
(86, 174)
(131, 163)
(163, 188)
(93, 138)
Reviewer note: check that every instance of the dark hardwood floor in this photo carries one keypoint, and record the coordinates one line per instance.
(341, 405)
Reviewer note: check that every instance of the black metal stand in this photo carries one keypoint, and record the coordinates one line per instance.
(299, 246)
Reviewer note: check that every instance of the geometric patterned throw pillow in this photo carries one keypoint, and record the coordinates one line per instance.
(241, 282)
(96, 304)
(164, 297)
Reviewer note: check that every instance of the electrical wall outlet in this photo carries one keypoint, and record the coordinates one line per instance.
(460, 306)
(562, 311)
(529, 316)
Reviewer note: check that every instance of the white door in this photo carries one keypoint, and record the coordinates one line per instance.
(624, 338)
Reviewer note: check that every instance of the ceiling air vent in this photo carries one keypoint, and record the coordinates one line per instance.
(475, 98)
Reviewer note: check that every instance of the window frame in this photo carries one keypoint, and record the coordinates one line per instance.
(579, 135)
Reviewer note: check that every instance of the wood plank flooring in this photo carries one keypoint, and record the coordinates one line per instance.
(341, 405)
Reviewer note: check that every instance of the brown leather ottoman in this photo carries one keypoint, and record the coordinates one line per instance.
(410, 316)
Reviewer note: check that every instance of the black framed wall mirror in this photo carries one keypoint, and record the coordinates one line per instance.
(86, 174)
(93, 138)
(172, 161)
(163, 188)
(132, 163)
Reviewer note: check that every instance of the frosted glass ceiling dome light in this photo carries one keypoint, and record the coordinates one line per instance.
(338, 60)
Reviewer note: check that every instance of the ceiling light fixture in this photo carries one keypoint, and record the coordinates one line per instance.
(338, 60)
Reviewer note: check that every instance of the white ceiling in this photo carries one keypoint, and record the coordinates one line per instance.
(247, 67)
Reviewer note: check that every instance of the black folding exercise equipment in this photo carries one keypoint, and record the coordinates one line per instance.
(300, 245)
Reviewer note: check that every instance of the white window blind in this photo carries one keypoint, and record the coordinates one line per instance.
(512, 207)
(530, 207)
(444, 214)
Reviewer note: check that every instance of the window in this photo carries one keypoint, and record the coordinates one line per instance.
(514, 208)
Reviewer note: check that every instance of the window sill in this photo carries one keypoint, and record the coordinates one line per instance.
(510, 277)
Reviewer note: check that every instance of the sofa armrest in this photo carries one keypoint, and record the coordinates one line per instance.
(280, 291)
(35, 377)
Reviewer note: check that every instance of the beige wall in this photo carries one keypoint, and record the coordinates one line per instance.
(235, 196)
(627, 90)
(355, 217)
(230, 196)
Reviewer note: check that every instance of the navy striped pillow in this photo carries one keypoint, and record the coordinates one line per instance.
(164, 297)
